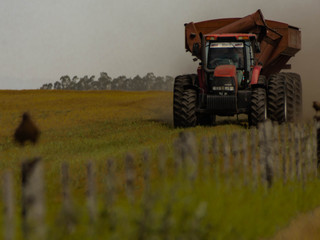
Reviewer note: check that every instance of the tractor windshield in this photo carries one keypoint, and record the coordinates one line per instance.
(225, 53)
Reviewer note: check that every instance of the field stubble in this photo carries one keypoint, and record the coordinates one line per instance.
(96, 125)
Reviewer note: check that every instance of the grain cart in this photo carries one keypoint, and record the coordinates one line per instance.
(239, 72)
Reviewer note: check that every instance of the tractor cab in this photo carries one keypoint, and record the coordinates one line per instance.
(230, 49)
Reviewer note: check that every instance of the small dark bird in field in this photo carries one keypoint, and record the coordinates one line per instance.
(316, 106)
(26, 131)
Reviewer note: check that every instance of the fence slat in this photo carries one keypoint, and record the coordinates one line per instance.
(162, 162)
(283, 137)
(226, 154)
(206, 166)
(254, 157)
(316, 146)
(9, 206)
(297, 151)
(130, 176)
(91, 192)
(112, 183)
(146, 170)
(245, 157)
(276, 151)
(216, 158)
(266, 152)
(291, 166)
(33, 208)
(68, 212)
(189, 154)
(235, 151)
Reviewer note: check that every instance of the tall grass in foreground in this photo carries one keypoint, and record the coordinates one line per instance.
(163, 194)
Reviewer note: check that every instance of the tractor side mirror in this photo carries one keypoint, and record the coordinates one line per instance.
(196, 49)
(257, 47)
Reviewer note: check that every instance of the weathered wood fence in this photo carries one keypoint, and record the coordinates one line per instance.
(257, 157)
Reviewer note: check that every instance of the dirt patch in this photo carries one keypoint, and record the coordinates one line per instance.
(305, 226)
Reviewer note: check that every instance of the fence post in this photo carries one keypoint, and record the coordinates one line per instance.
(226, 157)
(189, 153)
(146, 170)
(91, 192)
(215, 156)
(33, 208)
(316, 146)
(205, 157)
(303, 157)
(112, 183)
(254, 160)
(266, 151)
(111, 191)
(297, 137)
(291, 152)
(235, 150)
(68, 213)
(284, 152)
(245, 165)
(276, 151)
(162, 162)
(177, 156)
(309, 152)
(9, 206)
(130, 175)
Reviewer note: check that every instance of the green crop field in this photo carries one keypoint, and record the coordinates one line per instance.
(99, 125)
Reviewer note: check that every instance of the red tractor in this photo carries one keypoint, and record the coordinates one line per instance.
(239, 72)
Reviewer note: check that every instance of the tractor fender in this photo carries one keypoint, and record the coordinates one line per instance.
(255, 76)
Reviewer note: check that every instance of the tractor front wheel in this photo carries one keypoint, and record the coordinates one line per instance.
(258, 108)
(184, 102)
(188, 108)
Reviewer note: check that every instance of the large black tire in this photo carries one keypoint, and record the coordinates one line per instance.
(258, 107)
(297, 95)
(179, 99)
(282, 94)
(188, 108)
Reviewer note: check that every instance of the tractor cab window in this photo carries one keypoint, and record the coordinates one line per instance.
(226, 53)
(249, 54)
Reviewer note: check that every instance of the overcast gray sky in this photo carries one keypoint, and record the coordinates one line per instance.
(42, 40)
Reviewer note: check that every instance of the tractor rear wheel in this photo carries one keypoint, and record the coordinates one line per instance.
(258, 108)
(180, 98)
(297, 95)
(281, 98)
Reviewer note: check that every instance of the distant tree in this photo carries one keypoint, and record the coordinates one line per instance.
(44, 86)
(169, 81)
(138, 84)
(57, 85)
(65, 81)
(82, 84)
(149, 80)
(73, 83)
(75, 79)
(118, 83)
(159, 84)
(126, 85)
(90, 83)
(104, 81)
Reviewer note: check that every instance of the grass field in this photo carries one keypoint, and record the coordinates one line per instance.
(96, 125)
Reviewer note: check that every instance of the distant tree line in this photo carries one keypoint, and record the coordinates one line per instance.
(104, 82)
